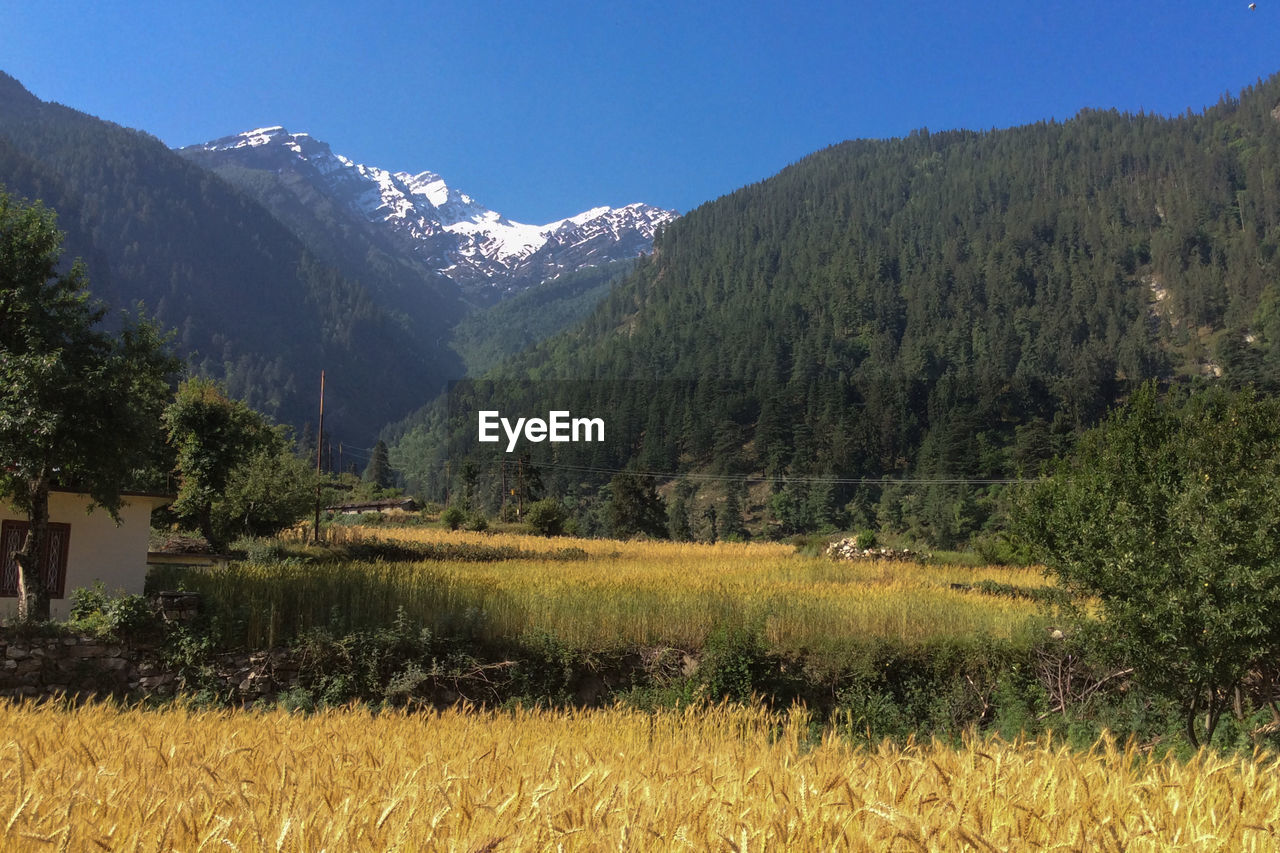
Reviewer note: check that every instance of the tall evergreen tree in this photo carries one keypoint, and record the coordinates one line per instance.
(379, 470)
(635, 507)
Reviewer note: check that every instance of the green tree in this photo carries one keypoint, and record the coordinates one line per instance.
(635, 507)
(1168, 515)
(732, 525)
(379, 472)
(546, 517)
(709, 515)
(453, 517)
(79, 408)
(212, 435)
(470, 475)
(268, 491)
(679, 523)
(528, 480)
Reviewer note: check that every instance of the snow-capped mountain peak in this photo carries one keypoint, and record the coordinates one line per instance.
(457, 235)
(248, 139)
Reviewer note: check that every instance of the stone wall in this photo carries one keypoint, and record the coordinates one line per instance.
(42, 667)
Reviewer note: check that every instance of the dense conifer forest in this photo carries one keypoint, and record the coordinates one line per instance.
(945, 306)
(484, 338)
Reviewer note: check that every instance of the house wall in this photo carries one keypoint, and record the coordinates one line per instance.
(99, 550)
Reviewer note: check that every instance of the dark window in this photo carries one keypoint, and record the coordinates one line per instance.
(56, 544)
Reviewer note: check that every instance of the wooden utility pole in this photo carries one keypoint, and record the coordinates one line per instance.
(520, 489)
(319, 453)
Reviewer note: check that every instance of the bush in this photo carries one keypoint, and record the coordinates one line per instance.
(452, 517)
(477, 523)
(734, 663)
(809, 544)
(547, 517)
(260, 549)
(866, 539)
(95, 612)
(999, 549)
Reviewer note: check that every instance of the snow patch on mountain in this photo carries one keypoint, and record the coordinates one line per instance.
(468, 242)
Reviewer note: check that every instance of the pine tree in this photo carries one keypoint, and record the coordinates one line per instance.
(379, 470)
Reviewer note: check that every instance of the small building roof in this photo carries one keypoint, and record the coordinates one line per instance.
(374, 506)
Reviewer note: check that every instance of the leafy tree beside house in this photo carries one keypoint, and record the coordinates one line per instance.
(236, 471)
(270, 490)
(79, 407)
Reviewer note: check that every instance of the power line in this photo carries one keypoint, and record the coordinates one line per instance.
(835, 481)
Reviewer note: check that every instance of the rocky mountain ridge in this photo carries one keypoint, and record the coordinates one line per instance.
(437, 225)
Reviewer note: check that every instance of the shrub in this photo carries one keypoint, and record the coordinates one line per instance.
(734, 662)
(547, 517)
(998, 549)
(260, 549)
(96, 612)
(452, 517)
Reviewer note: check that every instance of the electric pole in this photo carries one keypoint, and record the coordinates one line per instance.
(319, 453)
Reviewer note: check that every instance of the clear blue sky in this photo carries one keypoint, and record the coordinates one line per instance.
(543, 109)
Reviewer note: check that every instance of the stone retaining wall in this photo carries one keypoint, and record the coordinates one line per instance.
(43, 667)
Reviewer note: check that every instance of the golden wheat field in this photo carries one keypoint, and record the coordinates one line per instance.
(627, 594)
(103, 778)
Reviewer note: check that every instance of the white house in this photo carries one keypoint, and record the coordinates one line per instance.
(85, 547)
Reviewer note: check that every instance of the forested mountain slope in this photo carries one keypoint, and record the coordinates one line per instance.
(946, 305)
(485, 337)
(249, 303)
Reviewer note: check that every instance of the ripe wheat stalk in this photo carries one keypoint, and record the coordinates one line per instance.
(104, 778)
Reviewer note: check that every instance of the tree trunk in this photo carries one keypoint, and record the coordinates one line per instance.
(1192, 713)
(1213, 705)
(33, 598)
(204, 520)
(1212, 714)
